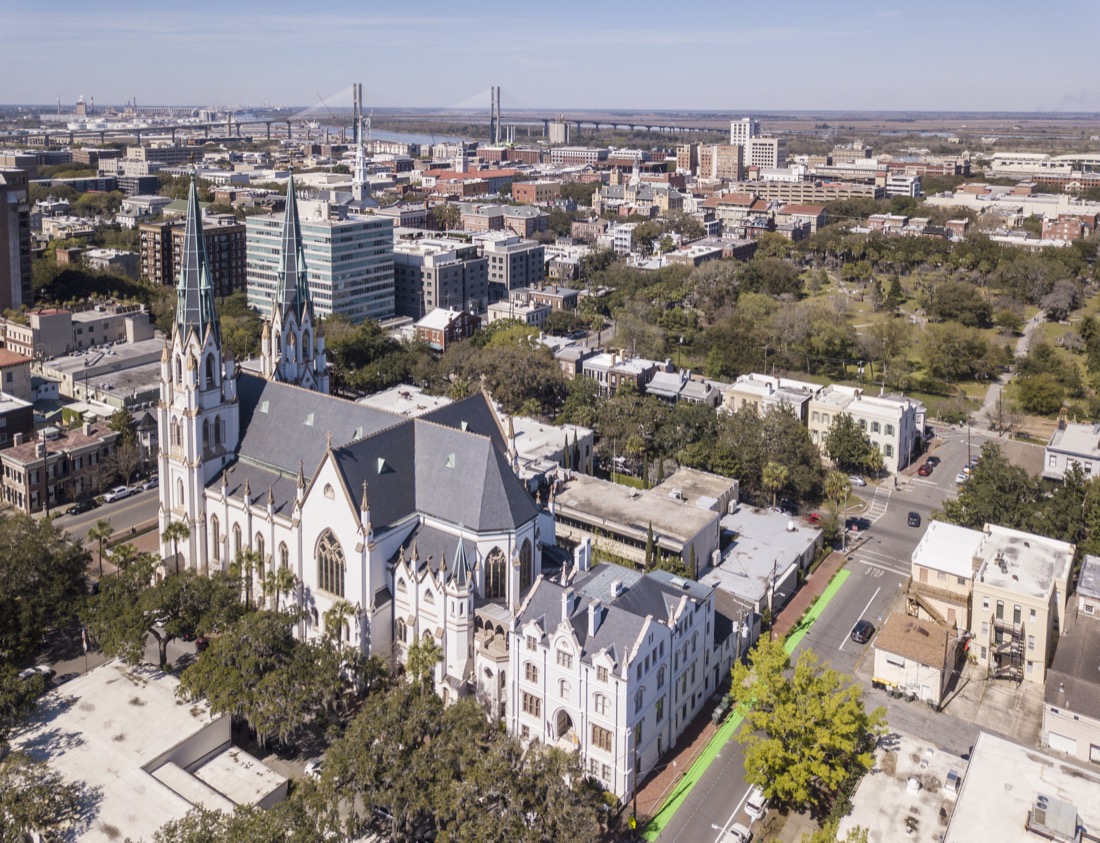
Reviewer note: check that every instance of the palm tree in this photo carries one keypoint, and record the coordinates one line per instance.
(424, 654)
(837, 487)
(336, 619)
(282, 581)
(175, 532)
(774, 478)
(100, 533)
(248, 561)
(123, 556)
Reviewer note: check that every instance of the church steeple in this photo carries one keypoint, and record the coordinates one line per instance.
(292, 292)
(194, 290)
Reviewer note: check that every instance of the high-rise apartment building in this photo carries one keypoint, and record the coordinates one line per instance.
(513, 262)
(767, 153)
(439, 273)
(349, 261)
(721, 161)
(162, 252)
(15, 240)
(687, 158)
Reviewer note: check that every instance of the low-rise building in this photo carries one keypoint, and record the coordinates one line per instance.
(765, 553)
(15, 375)
(614, 666)
(915, 657)
(942, 578)
(520, 308)
(673, 387)
(16, 419)
(1072, 444)
(444, 326)
(554, 296)
(59, 465)
(610, 371)
(536, 192)
(1014, 794)
(893, 423)
(149, 767)
(761, 392)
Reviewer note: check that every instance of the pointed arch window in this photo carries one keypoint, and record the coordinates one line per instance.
(401, 632)
(208, 381)
(177, 439)
(496, 575)
(259, 545)
(205, 434)
(215, 531)
(330, 564)
(236, 541)
(179, 493)
(429, 597)
(526, 568)
(284, 555)
(217, 430)
(179, 369)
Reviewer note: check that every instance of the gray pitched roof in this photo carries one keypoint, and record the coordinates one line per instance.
(473, 414)
(281, 424)
(436, 548)
(282, 485)
(386, 461)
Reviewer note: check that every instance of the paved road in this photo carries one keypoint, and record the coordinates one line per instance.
(879, 568)
(122, 514)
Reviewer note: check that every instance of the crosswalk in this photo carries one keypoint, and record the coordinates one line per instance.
(878, 504)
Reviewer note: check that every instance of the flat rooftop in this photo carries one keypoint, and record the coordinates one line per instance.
(1088, 581)
(597, 502)
(946, 547)
(1001, 787)
(1023, 562)
(885, 805)
(138, 750)
(96, 362)
(1082, 439)
(405, 400)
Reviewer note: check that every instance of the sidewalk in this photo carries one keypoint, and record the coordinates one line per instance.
(148, 542)
(805, 597)
(675, 765)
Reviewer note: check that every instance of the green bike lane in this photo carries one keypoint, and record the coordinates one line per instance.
(701, 765)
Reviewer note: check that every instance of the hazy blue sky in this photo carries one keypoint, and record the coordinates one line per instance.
(722, 55)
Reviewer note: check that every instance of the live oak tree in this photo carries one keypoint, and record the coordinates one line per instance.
(35, 798)
(449, 770)
(807, 731)
(41, 581)
(130, 607)
(847, 445)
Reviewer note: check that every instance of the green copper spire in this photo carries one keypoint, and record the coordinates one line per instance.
(292, 292)
(194, 291)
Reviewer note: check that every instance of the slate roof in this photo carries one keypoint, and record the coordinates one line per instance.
(449, 464)
(282, 485)
(434, 546)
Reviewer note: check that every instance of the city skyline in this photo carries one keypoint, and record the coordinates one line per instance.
(865, 56)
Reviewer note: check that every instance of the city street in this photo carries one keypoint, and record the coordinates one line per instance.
(123, 514)
(880, 566)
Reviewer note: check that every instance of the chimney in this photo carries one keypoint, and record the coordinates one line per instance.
(595, 616)
(616, 588)
(87, 428)
(19, 439)
(40, 449)
(567, 598)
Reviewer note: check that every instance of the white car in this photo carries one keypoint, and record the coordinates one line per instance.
(43, 670)
(962, 477)
(856, 480)
(756, 805)
(117, 494)
(738, 834)
(313, 768)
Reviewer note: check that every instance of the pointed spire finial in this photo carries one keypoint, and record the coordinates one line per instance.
(301, 474)
(270, 497)
(328, 439)
(365, 504)
(247, 491)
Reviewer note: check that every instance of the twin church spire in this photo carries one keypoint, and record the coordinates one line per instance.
(195, 290)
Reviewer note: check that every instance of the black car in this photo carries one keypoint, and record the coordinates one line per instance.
(914, 519)
(862, 632)
(82, 506)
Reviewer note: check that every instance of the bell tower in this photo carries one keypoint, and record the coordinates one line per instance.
(292, 346)
(198, 419)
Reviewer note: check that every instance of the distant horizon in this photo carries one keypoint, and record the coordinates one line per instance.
(859, 56)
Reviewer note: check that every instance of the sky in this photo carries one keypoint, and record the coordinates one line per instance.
(722, 55)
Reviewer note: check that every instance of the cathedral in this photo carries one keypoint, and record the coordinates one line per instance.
(413, 527)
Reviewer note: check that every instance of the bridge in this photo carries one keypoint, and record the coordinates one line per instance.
(336, 111)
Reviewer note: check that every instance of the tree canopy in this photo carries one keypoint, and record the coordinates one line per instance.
(806, 731)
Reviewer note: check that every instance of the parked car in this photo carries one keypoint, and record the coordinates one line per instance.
(862, 631)
(962, 477)
(814, 517)
(933, 461)
(738, 834)
(925, 469)
(914, 519)
(313, 768)
(117, 494)
(856, 480)
(973, 460)
(82, 506)
(43, 670)
(756, 805)
(151, 483)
